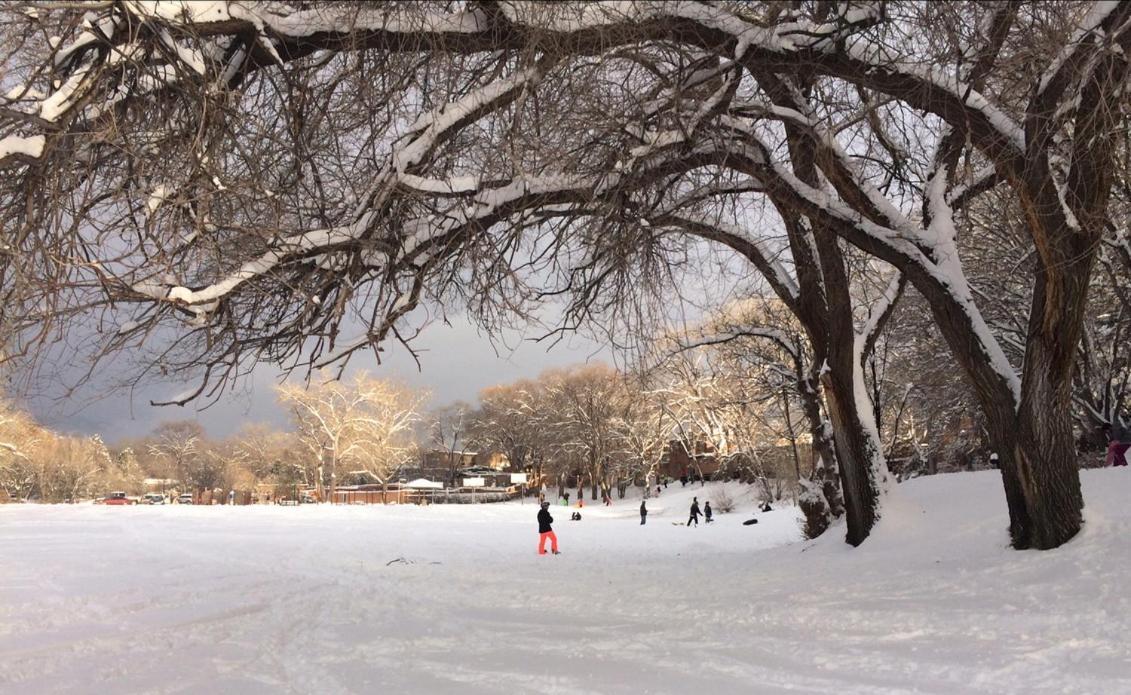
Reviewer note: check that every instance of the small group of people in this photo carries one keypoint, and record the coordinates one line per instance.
(694, 518)
(546, 530)
(695, 513)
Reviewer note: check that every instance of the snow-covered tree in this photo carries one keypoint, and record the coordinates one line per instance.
(269, 181)
(362, 424)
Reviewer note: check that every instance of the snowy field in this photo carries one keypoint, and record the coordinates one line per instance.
(454, 599)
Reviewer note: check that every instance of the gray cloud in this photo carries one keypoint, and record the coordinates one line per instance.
(457, 361)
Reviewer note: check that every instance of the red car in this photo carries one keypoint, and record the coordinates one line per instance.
(117, 498)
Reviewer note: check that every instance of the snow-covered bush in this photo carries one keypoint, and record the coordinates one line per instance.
(723, 502)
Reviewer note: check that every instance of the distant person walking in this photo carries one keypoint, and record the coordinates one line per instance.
(707, 512)
(694, 512)
(546, 531)
(643, 513)
(1119, 441)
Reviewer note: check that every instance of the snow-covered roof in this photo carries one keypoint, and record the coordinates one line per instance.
(424, 483)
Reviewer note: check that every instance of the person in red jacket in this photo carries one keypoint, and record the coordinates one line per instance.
(545, 531)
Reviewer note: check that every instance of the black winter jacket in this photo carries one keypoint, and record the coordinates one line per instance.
(544, 521)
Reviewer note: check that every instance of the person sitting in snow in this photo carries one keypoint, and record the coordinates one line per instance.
(545, 531)
(576, 516)
(707, 512)
(694, 512)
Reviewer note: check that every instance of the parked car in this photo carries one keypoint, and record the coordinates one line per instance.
(185, 498)
(153, 498)
(117, 499)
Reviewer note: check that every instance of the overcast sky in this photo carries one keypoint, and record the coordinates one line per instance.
(456, 363)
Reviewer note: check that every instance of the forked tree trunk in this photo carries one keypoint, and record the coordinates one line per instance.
(1033, 440)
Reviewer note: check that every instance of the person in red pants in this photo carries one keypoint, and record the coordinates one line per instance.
(545, 531)
(1119, 441)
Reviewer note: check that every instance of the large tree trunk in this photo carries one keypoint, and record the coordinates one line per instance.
(856, 454)
(1033, 438)
(1045, 448)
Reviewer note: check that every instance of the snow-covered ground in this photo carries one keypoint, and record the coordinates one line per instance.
(454, 599)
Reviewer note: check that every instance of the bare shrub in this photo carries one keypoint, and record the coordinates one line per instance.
(724, 503)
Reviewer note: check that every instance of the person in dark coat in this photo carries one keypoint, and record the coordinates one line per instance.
(694, 512)
(545, 531)
(643, 513)
(707, 512)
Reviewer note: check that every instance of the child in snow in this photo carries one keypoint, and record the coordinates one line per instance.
(545, 531)
(707, 512)
(643, 513)
(1118, 443)
(694, 512)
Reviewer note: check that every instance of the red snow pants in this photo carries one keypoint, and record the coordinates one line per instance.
(542, 542)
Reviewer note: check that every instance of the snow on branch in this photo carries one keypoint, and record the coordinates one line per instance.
(871, 64)
(18, 149)
(878, 314)
(1059, 73)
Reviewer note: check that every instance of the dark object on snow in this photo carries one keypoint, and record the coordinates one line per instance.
(643, 513)
(750, 522)
(707, 512)
(576, 516)
(766, 507)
